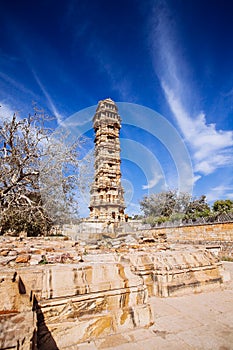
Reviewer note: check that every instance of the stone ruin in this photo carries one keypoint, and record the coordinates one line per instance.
(56, 293)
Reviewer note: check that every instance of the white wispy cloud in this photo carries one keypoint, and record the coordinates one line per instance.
(16, 85)
(211, 147)
(6, 111)
(116, 77)
(152, 182)
(220, 192)
(51, 104)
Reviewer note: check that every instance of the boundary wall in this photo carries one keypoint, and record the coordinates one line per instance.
(216, 232)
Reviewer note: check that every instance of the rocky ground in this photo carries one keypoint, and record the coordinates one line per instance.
(19, 251)
(116, 274)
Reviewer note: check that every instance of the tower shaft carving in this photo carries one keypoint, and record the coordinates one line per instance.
(107, 194)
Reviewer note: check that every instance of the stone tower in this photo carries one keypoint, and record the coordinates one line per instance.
(107, 201)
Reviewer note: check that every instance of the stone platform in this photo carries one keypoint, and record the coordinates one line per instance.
(57, 293)
(200, 321)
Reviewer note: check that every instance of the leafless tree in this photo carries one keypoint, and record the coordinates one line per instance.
(38, 175)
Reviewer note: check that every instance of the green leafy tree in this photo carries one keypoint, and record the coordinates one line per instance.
(197, 208)
(223, 206)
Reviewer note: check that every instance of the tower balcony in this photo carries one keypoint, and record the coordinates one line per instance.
(105, 144)
(102, 202)
(104, 122)
(114, 155)
(106, 164)
(106, 173)
(105, 185)
(107, 131)
(108, 152)
(103, 160)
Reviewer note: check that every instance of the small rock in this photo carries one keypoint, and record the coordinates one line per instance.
(22, 258)
(162, 247)
(12, 253)
(135, 246)
(116, 246)
(36, 251)
(23, 252)
(66, 258)
(49, 249)
(92, 247)
(4, 252)
(35, 259)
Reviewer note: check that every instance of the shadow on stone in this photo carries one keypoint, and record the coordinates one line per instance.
(43, 339)
(21, 286)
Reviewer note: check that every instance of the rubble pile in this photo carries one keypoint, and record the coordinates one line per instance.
(32, 251)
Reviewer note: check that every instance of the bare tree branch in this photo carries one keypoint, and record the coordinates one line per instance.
(38, 175)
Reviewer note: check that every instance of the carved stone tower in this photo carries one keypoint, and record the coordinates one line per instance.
(107, 201)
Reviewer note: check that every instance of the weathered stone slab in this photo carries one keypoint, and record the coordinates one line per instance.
(171, 273)
(17, 322)
(80, 303)
(92, 292)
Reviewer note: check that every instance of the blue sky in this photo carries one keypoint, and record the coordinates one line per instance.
(174, 57)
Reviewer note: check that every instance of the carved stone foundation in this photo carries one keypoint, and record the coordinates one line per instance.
(64, 305)
(81, 303)
(175, 273)
(51, 305)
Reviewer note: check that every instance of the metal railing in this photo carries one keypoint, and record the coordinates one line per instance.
(220, 219)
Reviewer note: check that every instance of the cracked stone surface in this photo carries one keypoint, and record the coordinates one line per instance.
(201, 321)
(80, 296)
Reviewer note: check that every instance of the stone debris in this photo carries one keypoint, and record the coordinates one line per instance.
(66, 292)
(22, 258)
(4, 252)
(36, 259)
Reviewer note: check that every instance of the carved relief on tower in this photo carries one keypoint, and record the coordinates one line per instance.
(107, 201)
